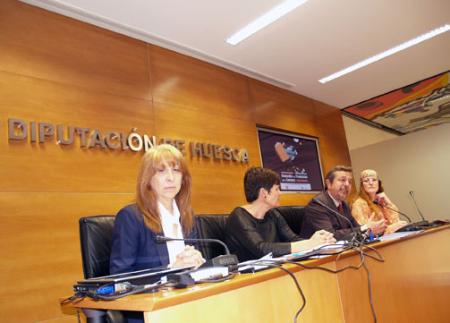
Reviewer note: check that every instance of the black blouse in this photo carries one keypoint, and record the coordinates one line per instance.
(251, 238)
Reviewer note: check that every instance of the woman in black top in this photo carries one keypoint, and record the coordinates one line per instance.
(252, 232)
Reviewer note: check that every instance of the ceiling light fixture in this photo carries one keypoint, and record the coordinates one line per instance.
(263, 21)
(386, 53)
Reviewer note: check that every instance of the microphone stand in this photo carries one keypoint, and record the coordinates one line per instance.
(358, 237)
(411, 193)
(223, 260)
(412, 226)
(162, 239)
(392, 209)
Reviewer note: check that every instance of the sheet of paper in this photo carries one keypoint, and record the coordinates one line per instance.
(252, 265)
(397, 235)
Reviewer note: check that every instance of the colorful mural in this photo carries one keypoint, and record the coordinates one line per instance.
(414, 107)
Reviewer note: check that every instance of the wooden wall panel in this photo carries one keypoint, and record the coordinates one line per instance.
(62, 71)
(46, 166)
(333, 143)
(45, 45)
(184, 81)
(40, 248)
(278, 108)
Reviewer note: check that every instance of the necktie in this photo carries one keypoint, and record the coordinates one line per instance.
(342, 223)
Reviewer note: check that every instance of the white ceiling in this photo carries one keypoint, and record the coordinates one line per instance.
(315, 40)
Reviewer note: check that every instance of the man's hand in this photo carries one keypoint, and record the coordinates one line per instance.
(377, 227)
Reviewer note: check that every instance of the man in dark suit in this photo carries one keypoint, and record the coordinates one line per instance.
(338, 183)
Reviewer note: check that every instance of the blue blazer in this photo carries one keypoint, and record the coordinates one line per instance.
(133, 243)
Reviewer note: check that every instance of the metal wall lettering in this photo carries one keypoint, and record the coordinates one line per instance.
(44, 132)
(213, 151)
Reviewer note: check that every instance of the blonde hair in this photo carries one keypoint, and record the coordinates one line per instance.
(146, 198)
(368, 173)
(362, 192)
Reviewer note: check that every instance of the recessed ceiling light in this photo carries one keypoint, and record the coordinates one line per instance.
(263, 21)
(386, 53)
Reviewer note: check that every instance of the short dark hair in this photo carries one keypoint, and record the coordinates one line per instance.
(256, 178)
(332, 173)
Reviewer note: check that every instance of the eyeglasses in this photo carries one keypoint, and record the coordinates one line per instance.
(370, 179)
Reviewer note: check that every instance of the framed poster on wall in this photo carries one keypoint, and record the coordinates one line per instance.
(294, 157)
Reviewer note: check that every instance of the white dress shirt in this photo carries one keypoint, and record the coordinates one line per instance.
(172, 228)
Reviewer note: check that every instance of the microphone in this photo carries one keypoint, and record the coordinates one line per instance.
(162, 239)
(392, 209)
(412, 226)
(223, 260)
(411, 193)
(356, 233)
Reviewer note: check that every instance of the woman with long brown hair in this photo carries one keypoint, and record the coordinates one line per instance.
(373, 204)
(163, 207)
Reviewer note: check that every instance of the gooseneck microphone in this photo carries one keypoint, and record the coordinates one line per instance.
(412, 226)
(223, 260)
(411, 193)
(356, 232)
(392, 209)
(162, 239)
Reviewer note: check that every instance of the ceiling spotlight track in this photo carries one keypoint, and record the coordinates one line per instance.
(263, 21)
(389, 52)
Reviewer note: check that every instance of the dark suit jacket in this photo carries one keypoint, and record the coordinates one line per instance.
(318, 217)
(133, 244)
